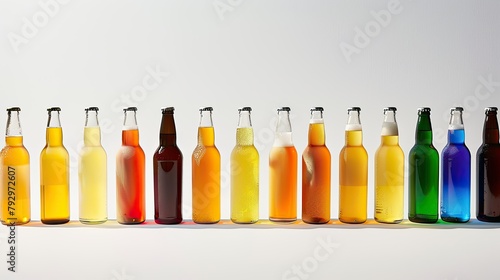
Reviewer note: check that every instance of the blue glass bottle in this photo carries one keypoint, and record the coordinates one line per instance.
(456, 172)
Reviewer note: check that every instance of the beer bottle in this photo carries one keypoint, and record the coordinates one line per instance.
(455, 177)
(389, 172)
(15, 172)
(353, 172)
(316, 172)
(283, 172)
(130, 165)
(488, 170)
(92, 172)
(54, 173)
(206, 172)
(244, 173)
(167, 168)
(423, 182)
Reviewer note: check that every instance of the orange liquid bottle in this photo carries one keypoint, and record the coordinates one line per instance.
(283, 172)
(206, 172)
(130, 181)
(316, 173)
(353, 172)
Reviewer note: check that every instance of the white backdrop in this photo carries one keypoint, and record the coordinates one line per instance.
(233, 53)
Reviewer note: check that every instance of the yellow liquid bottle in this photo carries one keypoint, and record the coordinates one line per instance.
(244, 173)
(353, 172)
(92, 173)
(389, 173)
(206, 173)
(54, 174)
(15, 174)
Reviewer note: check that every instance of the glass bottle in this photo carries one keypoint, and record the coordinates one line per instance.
(54, 173)
(167, 170)
(283, 172)
(15, 172)
(130, 165)
(456, 170)
(206, 172)
(423, 182)
(488, 170)
(244, 172)
(389, 172)
(353, 172)
(92, 172)
(316, 172)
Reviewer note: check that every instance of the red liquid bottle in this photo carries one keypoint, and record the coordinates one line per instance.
(130, 198)
(167, 168)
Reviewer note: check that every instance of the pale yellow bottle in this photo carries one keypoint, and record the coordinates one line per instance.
(389, 172)
(244, 173)
(54, 174)
(15, 174)
(92, 172)
(353, 172)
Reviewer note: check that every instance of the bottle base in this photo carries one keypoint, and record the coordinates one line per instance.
(16, 223)
(283, 220)
(206, 222)
(316, 221)
(92, 222)
(168, 221)
(454, 220)
(352, 221)
(488, 219)
(388, 221)
(241, 222)
(55, 221)
(423, 219)
(131, 222)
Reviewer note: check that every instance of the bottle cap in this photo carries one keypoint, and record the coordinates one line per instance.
(210, 109)
(95, 109)
(390, 109)
(130, 109)
(54, 109)
(320, 109)
(424, 110)
(167, 110)
(459, 109)
(14, 109)
(286, 109)
(248, 109)
(490, 109)
(357, 109)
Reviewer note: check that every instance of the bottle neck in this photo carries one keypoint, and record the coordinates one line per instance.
(244, 132)
(54, 133)
(13, 124)
(390, 126)
(423, 134)
(353, 129)
(283, 124)
(206, 136)
(316, 135)
(168, 136)
(130, 137)
(490, 129)
(92, 132)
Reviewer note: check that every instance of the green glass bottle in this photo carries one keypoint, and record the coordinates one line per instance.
(423, 165)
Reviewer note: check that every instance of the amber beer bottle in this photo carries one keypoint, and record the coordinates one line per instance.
(206, 172)
(15, 174)
(167, 168)
(488, 170)
(283, 172)
(130, 181)
(316, 172)
(353, 172)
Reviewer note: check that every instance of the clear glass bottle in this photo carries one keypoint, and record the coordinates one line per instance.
(389, 172)
(206, 172)
(283, 172)
(130, 169)
(353, 172)
(54, 174)
(92, 172)
(15, 172)
(244, 172)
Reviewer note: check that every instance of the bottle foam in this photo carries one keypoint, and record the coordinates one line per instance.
(283, 139)
(351, 127)
(389, 129)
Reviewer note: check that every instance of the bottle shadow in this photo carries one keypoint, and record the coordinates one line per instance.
(266, 224)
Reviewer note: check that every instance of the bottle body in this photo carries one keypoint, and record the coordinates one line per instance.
(488, 175)
(15, 182)
(167, 169)
(206, 180)
(54, 179)
(423, 185)
(92, 176)
(389, 172)
(244, 178)
(130, 175)
(205, 163)
(456, 172)
(316, 173)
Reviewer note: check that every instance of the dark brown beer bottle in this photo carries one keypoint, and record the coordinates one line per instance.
(488, 167)
(167, 166)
